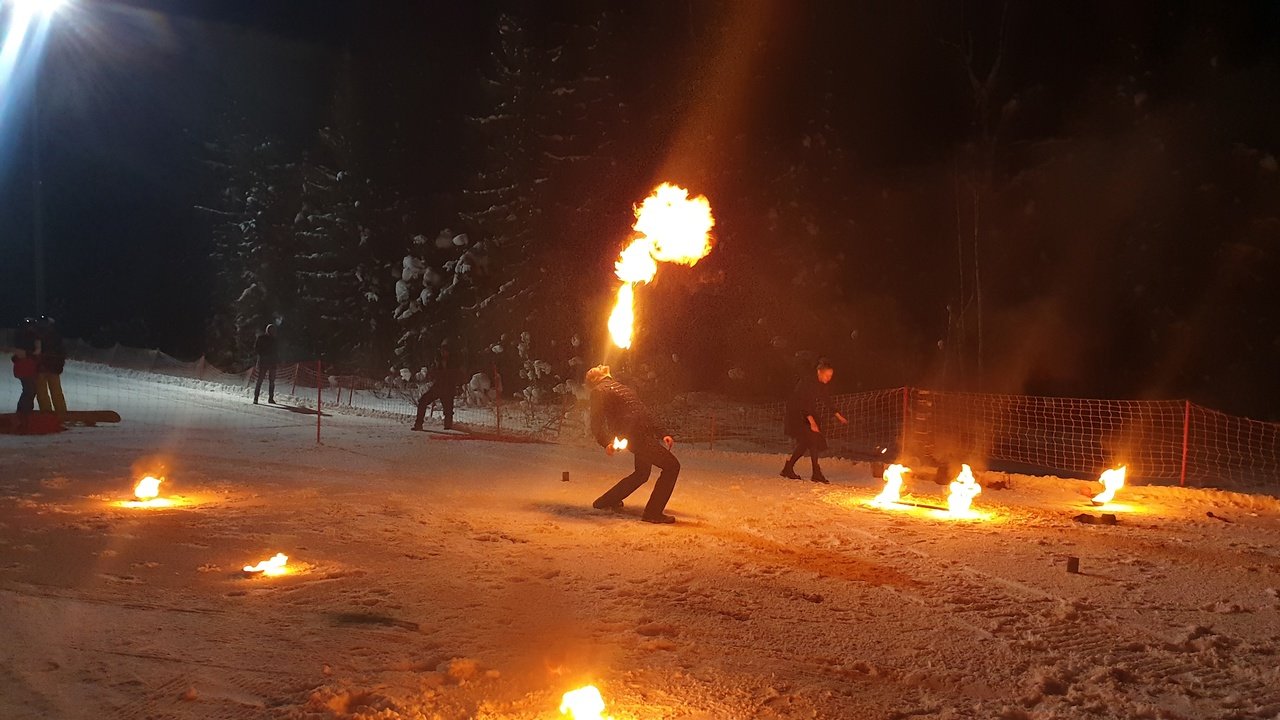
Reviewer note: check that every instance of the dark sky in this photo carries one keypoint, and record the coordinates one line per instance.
(132, 89)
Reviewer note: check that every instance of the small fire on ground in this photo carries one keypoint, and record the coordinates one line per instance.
(277, 565)
(147, 494)
(585, 703)
(1112, 480)
(619, 443)
(892, 491)
(963, 490)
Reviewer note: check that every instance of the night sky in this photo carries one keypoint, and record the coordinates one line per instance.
(131, 92)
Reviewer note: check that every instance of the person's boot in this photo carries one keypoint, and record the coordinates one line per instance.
(602, 504)
(417, 427)
(789, 471)
(818, 477)
(662, 519)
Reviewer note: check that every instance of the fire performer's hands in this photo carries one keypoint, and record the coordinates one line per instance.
(842, 419)
(668, 441)
(813, 424)
(608, 449)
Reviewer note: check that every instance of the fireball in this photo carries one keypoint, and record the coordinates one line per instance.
(963, 490)
(585, 703)
(1112, 480)
(619, 443)
(892, 491)
(678, 226)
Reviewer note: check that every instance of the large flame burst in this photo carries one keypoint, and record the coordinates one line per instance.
(670, 227)
(585, 703)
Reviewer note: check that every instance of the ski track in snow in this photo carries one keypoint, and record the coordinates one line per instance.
(445, 579)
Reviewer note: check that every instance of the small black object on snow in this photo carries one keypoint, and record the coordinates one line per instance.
(1218, 517)
(1073, 565)
(564, 476)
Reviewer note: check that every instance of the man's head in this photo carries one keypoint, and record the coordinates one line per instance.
(825, 371)
(595, 375)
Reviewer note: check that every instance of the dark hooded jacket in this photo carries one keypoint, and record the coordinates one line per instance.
(810, 398)
(616, 411)
(268, 350)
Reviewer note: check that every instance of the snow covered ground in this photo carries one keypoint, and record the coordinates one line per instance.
(449, 578)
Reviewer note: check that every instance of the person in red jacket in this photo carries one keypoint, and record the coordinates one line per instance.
(26, 368)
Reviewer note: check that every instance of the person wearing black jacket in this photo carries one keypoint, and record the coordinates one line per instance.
(807, 403)
(268, 350)
(616, 412)
(52, 361)
(446, 376)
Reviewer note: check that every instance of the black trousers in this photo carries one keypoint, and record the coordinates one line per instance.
(27, 400)
(808, 443)
(445, 396)
(648, 452)
(266, 371)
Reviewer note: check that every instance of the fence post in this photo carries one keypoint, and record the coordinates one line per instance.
(1186, 433)
(296, 367)
(713, 432)
(497, 384)
(319, 399)
(906, 415)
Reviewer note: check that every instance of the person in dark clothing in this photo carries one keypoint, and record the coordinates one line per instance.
(445, 376)
(52, 361)
(26, 363)
(807, 403)
(268, 350)
(616, 412)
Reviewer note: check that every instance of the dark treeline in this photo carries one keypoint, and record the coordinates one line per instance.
(997, 196)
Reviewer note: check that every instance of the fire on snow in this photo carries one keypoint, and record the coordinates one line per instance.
(147, 494)
(585, 703)
(963, 490)
(619, 443)
(892, 491)
(670, 227)
(1112, 480)
(278, 565)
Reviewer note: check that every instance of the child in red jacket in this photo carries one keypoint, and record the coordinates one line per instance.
(26, 368)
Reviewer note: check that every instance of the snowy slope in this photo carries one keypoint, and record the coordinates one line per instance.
(460, 578)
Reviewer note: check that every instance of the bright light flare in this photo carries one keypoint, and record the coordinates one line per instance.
(36, 7)
(963, 490)
(585, 703)
(619, 443)
(1112, 480)
(892, 491)
(278, 565)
